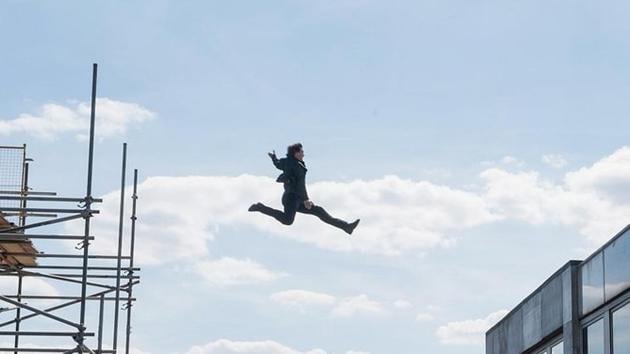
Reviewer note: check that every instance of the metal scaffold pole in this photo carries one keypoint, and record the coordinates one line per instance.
(18, 313)
(23, 204)
(120, 238)
(88, 204)
(134, 199)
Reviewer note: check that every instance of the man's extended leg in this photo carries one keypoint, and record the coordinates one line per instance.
(327, 218)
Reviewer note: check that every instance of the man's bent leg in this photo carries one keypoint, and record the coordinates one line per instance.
(287, 217)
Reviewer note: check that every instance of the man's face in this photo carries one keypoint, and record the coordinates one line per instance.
(299, 155)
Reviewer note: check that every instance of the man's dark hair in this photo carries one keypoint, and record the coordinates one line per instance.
(292, 149)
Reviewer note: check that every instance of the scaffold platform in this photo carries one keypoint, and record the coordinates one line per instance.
(17, 244)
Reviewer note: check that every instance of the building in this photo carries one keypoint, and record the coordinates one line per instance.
(583, 308)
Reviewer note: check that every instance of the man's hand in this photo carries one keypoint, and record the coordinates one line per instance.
(308, 204)
(272, 154)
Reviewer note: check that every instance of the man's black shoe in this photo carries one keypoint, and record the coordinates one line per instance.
(255, 207)
(350, 228)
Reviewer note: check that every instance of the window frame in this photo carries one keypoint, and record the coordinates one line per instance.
(605, 312)
(591, 321)
(546, 347)
(618, 306)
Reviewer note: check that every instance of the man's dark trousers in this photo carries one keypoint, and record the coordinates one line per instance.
(293, 203)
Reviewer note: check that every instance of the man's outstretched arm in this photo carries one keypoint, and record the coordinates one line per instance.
(275, 160)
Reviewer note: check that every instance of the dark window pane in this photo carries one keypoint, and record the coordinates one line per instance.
(621, 330)
(617, 265)
(592, 283)
(594, 338)
(558, 348)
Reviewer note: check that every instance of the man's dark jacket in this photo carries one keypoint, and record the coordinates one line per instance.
(293, 175)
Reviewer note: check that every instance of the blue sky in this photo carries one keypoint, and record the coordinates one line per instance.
(468, 136)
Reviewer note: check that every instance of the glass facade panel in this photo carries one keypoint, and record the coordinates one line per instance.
(594, 338)
(592, 283)
(558, 348)
(621, 330)
(617, 266)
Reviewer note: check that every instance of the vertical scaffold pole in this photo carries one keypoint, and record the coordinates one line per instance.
(18, 314)
(100, 324)
(88, 207)
(120, 238)
(134, 198)
(24, 190)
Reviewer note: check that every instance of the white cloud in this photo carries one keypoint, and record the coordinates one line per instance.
(178, 216)
(402, 304)
(468, 331)
(424, 316)
(428, 314)
(609, 177)
(358, 305)
(134, 350)
(229, 271)
(433, 308)
(555, 161)
(112, 119)
(301, 298)
(505, 161)
(592, 199)
(224, 346)
(508, 160)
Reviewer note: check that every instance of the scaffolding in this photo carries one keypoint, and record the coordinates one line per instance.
(81, 313)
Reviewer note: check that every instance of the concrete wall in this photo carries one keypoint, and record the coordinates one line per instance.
(556, 306)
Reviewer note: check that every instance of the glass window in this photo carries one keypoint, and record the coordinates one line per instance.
(592, 283)
(621, 330)
(617, 266)
(558, 348)
(594, 338)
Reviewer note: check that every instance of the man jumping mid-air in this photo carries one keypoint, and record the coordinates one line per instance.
(295, 199)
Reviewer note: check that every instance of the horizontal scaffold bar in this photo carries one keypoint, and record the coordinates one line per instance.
(48, 199)
(35, 333)
(48, 210)
(28, 193)
(99, 276)
(50, 350)
(59, 255)
(61, 297)
(39, 215)
(20, 238)
(135, 269)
